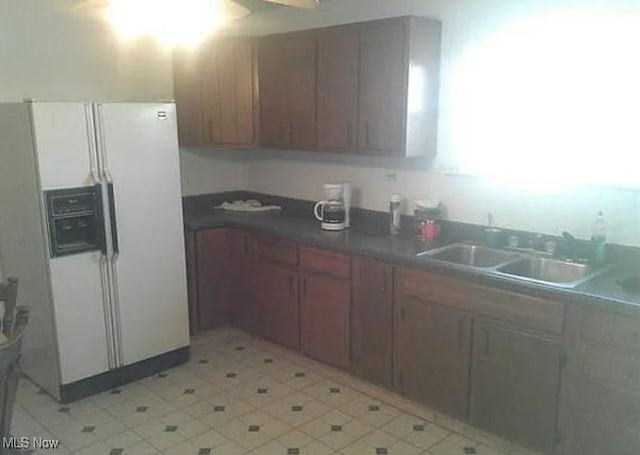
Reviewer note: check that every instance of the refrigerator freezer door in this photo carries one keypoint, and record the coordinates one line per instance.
(64, 143)
(77, 286)
(141, 149)
(24, 251)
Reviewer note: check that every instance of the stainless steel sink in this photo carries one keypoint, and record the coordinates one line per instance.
(551, 271)
(471, 255)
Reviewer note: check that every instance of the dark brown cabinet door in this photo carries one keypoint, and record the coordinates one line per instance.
(338, 60)
(432, 351)
(600, 392)
(213, 283)
(324, 319)
(276, 300)
(242, 308)
(372, 321)
(228, 92)
(287, 68)
(514, 385)
(273, 99)
(187, 91)
(383, 80)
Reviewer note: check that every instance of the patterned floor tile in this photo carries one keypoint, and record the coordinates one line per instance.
(239, 395)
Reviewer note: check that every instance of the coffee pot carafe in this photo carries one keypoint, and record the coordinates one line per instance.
(333, 212)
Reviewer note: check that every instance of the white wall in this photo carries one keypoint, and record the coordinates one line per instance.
(467, 199)
(47, 53)
(204, 171)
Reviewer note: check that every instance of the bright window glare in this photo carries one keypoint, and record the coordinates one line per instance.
(172, 22)
(554, 99)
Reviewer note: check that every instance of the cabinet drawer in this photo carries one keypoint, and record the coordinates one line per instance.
(614, 329)
(617, 367)
(607, 403)
(277, 250)
(589, 436)
(523, 310)
(325, 262)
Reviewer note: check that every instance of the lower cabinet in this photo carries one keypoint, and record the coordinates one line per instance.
(515, 384)
(276, 301)
(325, 300)
(240, 271)
(477, 353)
(212, 290)
(432, 348)
(324, 319)
(372, 321)
(600, 400)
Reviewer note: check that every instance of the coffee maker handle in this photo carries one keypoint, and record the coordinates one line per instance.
(319, 214)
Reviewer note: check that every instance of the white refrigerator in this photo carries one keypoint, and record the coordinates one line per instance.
(115, 309)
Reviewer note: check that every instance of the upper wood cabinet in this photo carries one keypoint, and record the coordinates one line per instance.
(378, 87)
(383, 86)
(215, 94)
(287, 72)
(187, 91)
(338, 70)
(367, 88)
(228, 92)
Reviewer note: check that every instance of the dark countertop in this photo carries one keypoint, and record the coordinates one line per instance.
(402, 250)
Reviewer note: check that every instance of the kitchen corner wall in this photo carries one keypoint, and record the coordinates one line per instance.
(205, 171)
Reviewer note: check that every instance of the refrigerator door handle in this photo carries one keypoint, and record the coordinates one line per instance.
(99, 134)
(91, 139)
(108, 315)
(115, 309)
(112, 218)
(102, 231)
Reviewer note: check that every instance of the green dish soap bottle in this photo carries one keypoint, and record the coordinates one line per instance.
(598, 240)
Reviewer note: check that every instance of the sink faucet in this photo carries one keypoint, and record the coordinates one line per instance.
(570, 245)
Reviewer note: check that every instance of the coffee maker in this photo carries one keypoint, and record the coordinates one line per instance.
(335, 211)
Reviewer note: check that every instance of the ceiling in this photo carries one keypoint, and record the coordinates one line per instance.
(257, 6)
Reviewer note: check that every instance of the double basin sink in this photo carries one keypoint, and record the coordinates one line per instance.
(527, 267)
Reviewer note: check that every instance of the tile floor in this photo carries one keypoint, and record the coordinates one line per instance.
(241, 395)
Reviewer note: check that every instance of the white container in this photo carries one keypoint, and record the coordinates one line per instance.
(394, 214)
